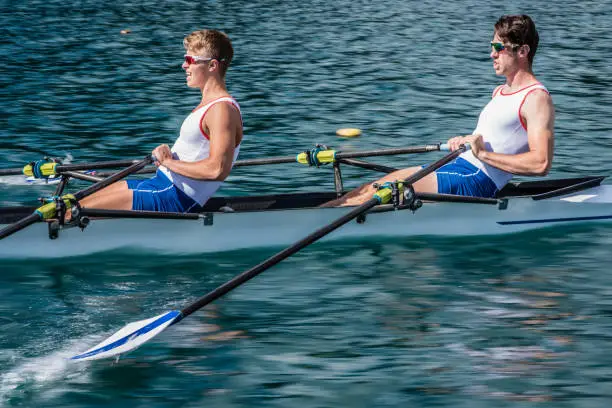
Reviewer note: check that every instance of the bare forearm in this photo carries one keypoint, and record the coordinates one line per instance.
(525, 164)
(200, 170)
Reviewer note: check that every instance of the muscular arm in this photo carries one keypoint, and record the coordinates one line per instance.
(538, 113)
(223, 122)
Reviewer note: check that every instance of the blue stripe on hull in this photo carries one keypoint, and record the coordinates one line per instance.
(552, 220)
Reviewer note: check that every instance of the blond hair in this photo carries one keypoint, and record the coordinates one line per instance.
(213, 44)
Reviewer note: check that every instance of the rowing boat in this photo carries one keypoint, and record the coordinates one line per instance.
(232, 223)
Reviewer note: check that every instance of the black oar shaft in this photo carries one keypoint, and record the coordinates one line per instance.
(19, 225)
(83, 176)
(115, 177)
(111, 164)
(344, 155)
(304, 242)
(388, 152)
(434, 166)
(95, 212)
(367, 165)
(287, 252)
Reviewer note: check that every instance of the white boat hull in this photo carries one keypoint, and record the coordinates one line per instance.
(277, 228)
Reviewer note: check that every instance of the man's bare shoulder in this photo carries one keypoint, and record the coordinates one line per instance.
(538, 101)
(539, 96)
(224, 111)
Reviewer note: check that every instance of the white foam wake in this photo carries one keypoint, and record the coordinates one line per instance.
(42, 373)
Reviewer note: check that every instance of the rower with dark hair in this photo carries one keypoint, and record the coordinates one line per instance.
(514, 134)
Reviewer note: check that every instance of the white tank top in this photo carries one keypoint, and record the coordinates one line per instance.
(193, 145)
(502, 129)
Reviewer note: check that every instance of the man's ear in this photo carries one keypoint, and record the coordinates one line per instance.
(214, 65)
(524, 50)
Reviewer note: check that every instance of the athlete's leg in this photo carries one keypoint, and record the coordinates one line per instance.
(428, 184)
(117, 196)
(113, 188)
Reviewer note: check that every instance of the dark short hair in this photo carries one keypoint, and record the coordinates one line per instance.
(518, 30)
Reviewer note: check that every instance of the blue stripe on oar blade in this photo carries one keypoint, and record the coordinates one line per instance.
(130, 337)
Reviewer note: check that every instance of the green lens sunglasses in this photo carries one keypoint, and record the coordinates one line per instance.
(499, 46)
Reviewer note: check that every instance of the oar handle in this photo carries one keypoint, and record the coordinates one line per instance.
(444, 147)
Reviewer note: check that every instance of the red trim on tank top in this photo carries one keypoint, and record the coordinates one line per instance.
(496, 91)
(523, 101)
(210, 105)
(501, 92)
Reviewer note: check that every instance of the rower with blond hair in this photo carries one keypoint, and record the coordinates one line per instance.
(202, 157)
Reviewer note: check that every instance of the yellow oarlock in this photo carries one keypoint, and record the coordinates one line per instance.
(324, 156)
(47, 169)
(384, 195)
(49, 210)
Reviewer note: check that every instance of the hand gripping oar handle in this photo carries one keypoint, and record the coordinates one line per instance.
(315, 236)
(38, 215)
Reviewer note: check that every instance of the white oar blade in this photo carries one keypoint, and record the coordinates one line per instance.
(130, 337)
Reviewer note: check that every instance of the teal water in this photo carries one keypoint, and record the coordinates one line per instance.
(519, 320)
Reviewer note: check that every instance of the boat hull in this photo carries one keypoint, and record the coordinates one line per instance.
(227, 231)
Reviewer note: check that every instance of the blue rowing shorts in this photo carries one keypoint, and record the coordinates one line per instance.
(159, 194)
(461, 177)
